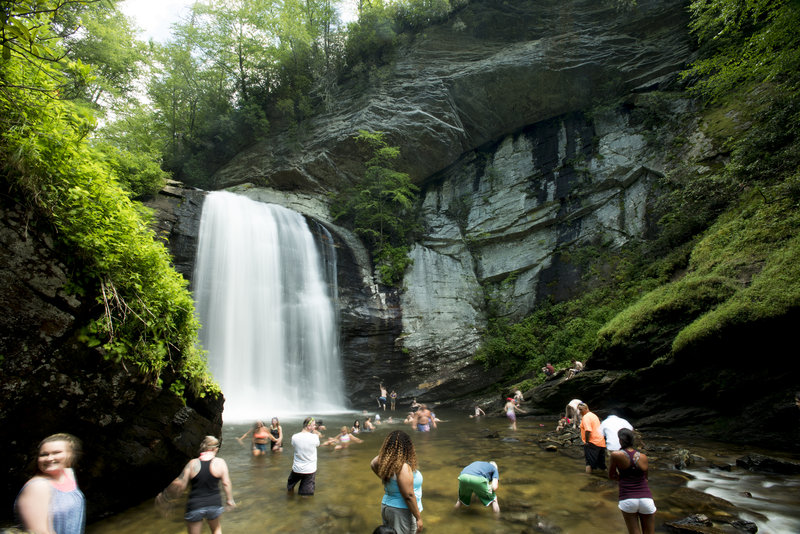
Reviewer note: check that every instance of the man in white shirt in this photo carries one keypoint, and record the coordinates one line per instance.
(609, 427)
(304, 467)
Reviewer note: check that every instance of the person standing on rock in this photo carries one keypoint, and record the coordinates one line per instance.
(304, 467)
(482, 479)
(629, 466)
(610, 426)
(393, 399)
(573, 413)
(594, 444)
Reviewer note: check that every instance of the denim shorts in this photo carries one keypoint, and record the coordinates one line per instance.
(207, 512)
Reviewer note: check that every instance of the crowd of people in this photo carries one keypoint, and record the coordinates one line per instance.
(51, 503)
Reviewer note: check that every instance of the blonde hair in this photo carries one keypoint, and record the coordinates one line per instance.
(397, 450)
(73, 443)
(209, 443)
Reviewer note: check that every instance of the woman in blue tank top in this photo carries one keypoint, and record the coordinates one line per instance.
(51, 500)
(396, 466)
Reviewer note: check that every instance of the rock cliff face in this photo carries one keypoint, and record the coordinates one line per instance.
(501, 223)
(487, 110)
(491, 70)
(51, 382)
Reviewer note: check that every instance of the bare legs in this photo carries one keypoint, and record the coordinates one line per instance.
(632, 521)
(196, 527)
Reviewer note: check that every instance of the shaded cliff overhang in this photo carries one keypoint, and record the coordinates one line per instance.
(490, 70)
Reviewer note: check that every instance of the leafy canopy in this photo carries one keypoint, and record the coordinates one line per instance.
(144, 315)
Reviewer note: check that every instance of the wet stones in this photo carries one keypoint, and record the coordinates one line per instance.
(745, 526)
(767, 464)
(693, 523)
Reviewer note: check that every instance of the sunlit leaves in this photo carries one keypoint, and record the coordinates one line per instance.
(144, 315)
(745, 41)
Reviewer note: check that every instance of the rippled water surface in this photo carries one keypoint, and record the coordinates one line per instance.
(539, 491)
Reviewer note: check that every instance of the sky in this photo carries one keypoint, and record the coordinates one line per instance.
(155, 17)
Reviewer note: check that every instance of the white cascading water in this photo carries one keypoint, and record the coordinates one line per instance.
(269, 316)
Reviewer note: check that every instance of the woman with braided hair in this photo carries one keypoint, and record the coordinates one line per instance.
(396, 466)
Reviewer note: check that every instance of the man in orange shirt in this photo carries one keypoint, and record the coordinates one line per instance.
(594, 444)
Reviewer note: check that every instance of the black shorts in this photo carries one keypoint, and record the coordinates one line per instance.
(307, 482)
(595, 456)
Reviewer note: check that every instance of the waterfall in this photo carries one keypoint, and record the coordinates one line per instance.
(268, 311)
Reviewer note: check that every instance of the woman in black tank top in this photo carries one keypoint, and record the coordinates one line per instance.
(205, 473)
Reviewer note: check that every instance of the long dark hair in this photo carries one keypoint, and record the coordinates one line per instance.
(397, 449)
(625, 438)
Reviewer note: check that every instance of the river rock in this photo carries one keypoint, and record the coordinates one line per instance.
(682, 459)
(695, 523)
(745, 526)
(702, 503)
(768, 464)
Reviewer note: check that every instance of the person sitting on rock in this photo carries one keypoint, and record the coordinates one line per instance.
(549, 370)
(576, 368)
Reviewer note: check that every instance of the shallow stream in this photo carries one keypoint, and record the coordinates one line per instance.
(539, 491)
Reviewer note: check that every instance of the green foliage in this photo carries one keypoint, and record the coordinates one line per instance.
(144, 315)
(561, 332)
(381, 207)
(743, 42)
(392, 263)
(106, 40)
(383, 25)
(743, 268)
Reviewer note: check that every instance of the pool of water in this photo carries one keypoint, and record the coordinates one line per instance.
(539, 491)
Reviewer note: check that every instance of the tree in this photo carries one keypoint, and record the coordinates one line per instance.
(143, 314)
(107, 41)
(745, 41)
(381, 206)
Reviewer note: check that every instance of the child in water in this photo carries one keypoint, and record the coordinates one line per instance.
(342, 440)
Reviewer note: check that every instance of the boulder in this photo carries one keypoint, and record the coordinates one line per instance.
(767, 464)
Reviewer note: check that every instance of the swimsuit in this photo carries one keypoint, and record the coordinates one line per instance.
(424, 428)
(345, 438)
